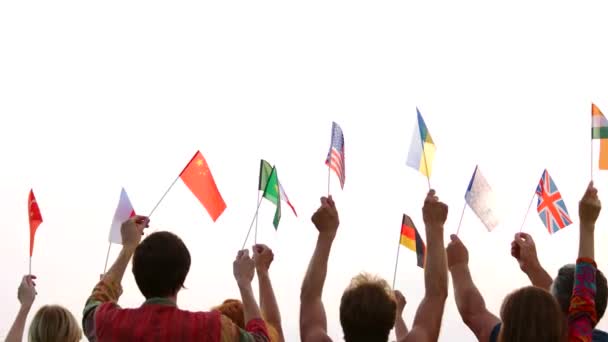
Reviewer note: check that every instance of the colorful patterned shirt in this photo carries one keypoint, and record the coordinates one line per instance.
(582, 316)
(159, 319)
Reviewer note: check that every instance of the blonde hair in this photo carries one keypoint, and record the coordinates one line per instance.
(233, 309)
(53, 323)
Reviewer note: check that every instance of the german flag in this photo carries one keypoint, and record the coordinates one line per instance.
(412, 240)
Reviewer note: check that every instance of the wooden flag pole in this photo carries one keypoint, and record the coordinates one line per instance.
(397, 259)
(255, 236)
(591, 157)
(251, 225)
(105, 266)
(461, 216)
(527, 212)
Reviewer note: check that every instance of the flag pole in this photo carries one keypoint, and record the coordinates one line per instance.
(251, 225)
(527, 212)
(172, 184)
(461, 216)
(105, 266)
(591, 157)
(165, 194)
(426, 166)
(255, 236)
(30, 265)
(328, 179)
(397, 259)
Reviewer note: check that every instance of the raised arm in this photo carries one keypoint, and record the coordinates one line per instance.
(427, 321)
(400, 326)
(109, 287)
(313, 322)
(26, 295)
(470, 302)
(582, 316)
(524, 250)
(263, 256)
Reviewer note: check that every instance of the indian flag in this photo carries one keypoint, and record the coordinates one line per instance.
(599, 130)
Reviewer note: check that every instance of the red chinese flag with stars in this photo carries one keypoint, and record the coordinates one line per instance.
(35, 218)
(199, 180)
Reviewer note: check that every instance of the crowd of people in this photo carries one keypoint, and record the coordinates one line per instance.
(566, 308)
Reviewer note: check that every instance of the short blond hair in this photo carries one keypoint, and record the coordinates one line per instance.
(53, 323)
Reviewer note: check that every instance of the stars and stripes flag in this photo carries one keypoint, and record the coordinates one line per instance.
(551, 207)
(335, 157)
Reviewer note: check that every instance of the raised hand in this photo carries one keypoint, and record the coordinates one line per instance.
(326, 217)
(524, 250)
(132, 230)
(262, 257)
(243, 268)
(434, 212)
(27, 291)
(589, 207)
(401, 302)
(457, 252)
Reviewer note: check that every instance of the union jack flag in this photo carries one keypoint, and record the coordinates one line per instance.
(551, 207)
(335, 156)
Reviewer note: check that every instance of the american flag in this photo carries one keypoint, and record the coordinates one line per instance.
(335, 157)
(551, 207)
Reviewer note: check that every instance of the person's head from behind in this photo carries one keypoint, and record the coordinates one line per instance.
(564, 284)
(233, 309)
(532, 314)
(54, 323)
(160, 265)
(367, 309)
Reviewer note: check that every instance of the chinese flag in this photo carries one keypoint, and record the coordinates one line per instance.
(35, 218)
(199, 180)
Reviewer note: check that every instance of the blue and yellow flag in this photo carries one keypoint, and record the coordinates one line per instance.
(422, 149)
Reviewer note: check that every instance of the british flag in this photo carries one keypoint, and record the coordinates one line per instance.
(551, 207)
(335, 156)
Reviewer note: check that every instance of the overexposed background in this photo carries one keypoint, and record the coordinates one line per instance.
(96, 96)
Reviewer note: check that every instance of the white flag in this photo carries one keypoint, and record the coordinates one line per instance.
(481, 200)
(123, 212)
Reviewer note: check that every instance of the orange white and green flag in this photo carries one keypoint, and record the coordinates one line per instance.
(412, 240)
(599, 130)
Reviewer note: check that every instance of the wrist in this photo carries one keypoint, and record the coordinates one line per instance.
(532, 268)
(129, 249)
(459, 267)
(244, 284)
(588, 226)
(26, 306)
(262, 273)
(327, 236)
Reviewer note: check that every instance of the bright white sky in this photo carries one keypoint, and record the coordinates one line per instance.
(96, 96)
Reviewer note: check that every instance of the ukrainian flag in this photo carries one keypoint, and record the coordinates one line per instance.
(422, 149)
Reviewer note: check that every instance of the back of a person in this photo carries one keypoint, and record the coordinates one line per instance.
(531, 314)
(154, 322)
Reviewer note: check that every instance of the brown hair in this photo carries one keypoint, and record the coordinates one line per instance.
(532, 314)
(367, 309)
(54, 323)
(233, 309)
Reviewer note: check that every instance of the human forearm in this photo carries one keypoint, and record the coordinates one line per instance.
(435, 269)
(16, 332)
(468, 298)
(586, 242)
(400, 328)
(117, 271)
(539, 277)
(251, 310)
(268, 301)
(312, 286)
